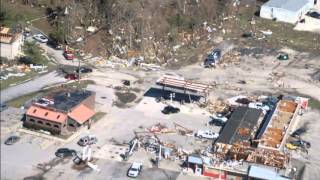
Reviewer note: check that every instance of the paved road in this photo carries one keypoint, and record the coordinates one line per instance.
(40, 82)
(31, 86)
(57, 55)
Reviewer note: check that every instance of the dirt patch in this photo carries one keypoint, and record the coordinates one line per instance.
(45, 167)
(91, 44)
(126, 97)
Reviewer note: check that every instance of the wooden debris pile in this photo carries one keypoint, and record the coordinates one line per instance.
(215, 106)
(231, 58)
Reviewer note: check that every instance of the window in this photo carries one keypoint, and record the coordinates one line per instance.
(31, 120)
(40, 122)
(71, 125)
(48, 124)
(56, 126)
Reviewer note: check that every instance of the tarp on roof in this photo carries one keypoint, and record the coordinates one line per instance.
(290, 5)
(264, 173)
(46, 114)
(81, 113)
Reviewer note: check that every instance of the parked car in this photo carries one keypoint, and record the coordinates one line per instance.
(207, 134)
(259, 105)
(26, 33)
(170, 110)
(41, 38)
(65, 152)
(314, 14)
(87, 140)
(11, 140)
(283, 56)
(68, 55)
(219, 117)
(291, 146)
(3, 107)
(216, 122)
(71, 76)
(212, 58)
(298, 132)
(54, 44)
(135, 169)
(301, 143)
(84, 70)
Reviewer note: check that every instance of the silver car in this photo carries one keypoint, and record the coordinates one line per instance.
(41, 38)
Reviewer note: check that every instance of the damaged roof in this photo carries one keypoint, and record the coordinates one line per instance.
(65, 100)
(240, 126)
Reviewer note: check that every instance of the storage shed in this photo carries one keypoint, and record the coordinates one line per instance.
(289, 11)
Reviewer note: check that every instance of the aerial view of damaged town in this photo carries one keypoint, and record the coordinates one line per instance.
(160, 89)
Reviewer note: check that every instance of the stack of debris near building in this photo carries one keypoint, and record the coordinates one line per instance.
(61, 111)
(253, 137)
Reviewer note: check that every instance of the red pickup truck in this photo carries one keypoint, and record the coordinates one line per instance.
(68, 55)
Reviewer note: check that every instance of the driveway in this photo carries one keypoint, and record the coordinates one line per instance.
(57, 55)
(53, 54)
(31, 86)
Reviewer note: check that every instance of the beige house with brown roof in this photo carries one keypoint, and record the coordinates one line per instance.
(10, 43)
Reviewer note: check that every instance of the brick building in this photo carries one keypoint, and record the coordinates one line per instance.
(61, 112)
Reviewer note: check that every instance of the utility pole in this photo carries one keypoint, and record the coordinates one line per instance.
(79, 57)
(66, 24)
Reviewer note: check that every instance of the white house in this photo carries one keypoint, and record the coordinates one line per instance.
(289, 11)
(10, 43)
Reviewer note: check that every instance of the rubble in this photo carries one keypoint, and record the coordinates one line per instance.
(216, 106)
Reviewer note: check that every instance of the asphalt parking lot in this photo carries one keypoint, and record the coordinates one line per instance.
(118, 126)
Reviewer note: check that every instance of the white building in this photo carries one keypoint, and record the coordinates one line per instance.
(10, 43)
(289, 11)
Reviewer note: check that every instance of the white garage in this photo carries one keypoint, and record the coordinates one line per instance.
(289, 11)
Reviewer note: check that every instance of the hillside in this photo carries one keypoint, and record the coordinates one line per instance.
(174, 32)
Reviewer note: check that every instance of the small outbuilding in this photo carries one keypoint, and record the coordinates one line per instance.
(289, 11)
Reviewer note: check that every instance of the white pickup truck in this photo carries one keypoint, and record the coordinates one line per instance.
(207, 134)
(135, 169)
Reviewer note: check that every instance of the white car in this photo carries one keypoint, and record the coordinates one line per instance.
(219, 117)
(135, 169)
(259, 105)
(41, 38)
(207, 134)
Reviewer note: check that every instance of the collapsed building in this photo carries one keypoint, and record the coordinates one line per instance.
(62, 111)
(279, 124)
(251, 138)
